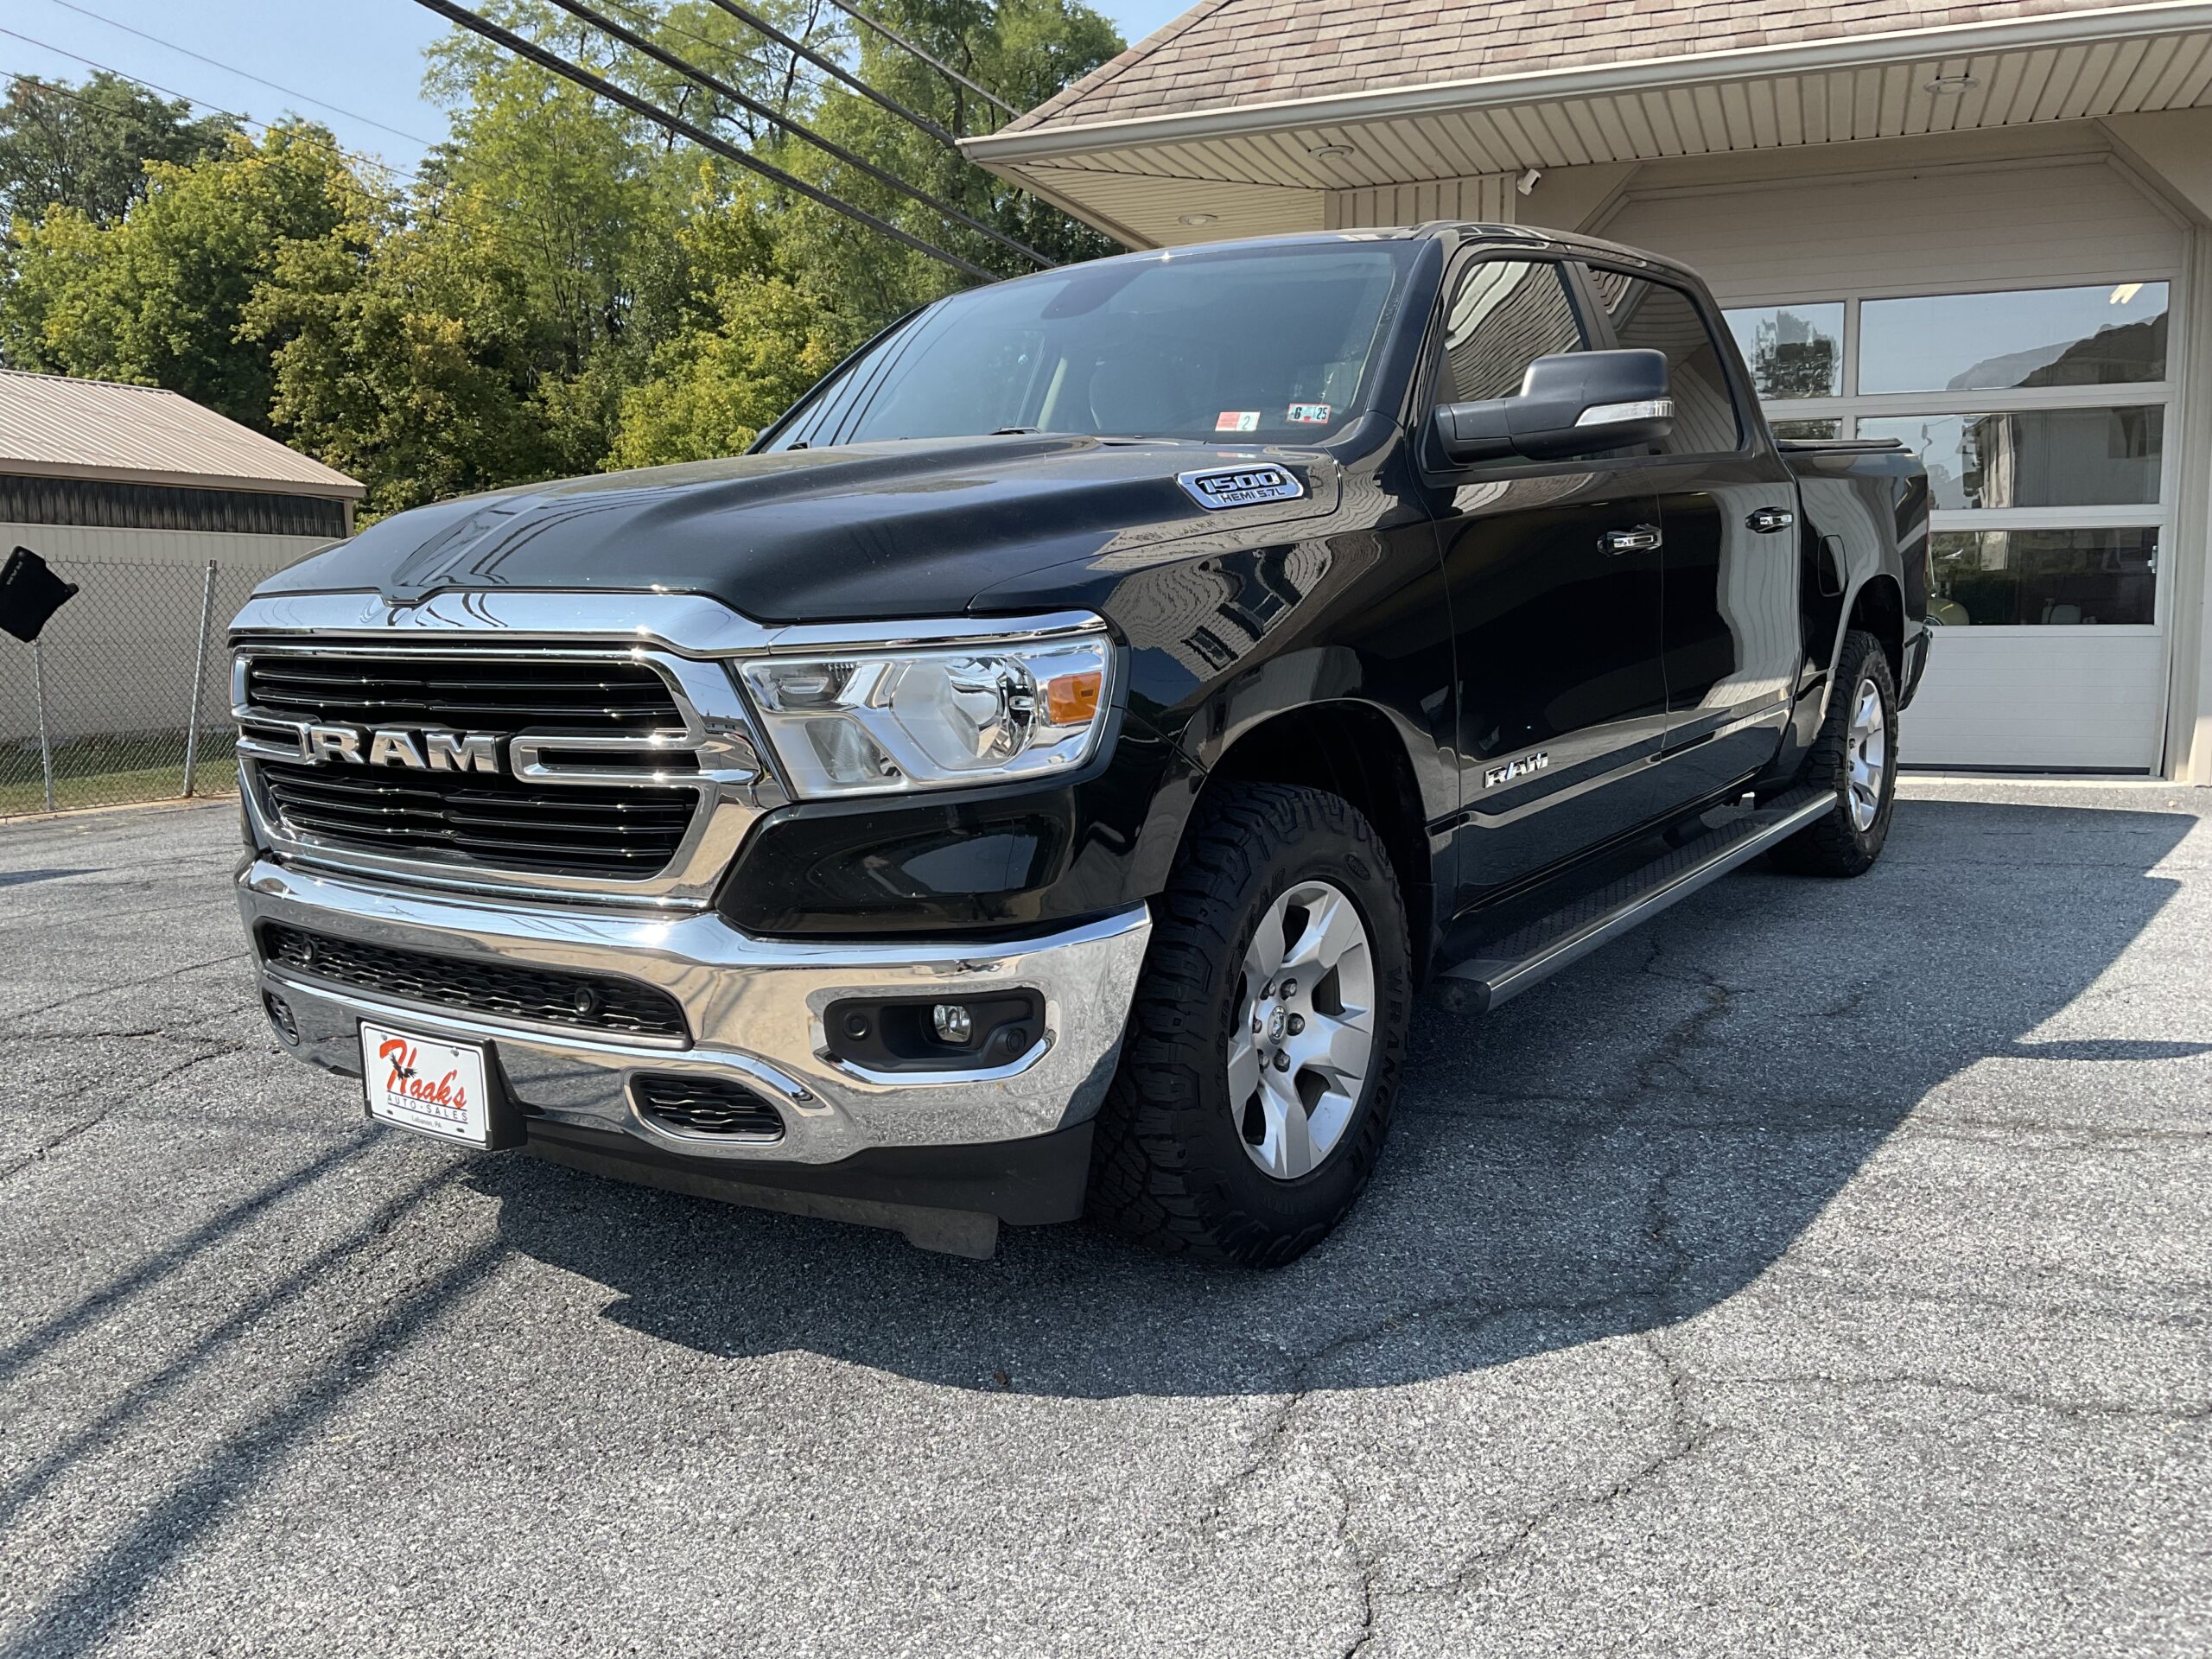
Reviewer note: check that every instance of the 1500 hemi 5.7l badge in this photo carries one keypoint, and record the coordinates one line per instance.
(1241, 487)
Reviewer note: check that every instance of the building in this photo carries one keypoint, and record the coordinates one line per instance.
(131, 493)
(92, 471)
(1984, 228)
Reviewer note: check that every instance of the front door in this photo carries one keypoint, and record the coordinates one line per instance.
(1553, 576)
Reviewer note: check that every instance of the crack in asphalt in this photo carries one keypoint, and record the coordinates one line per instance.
(53, 1143)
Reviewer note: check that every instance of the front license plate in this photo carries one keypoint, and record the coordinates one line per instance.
(426, 1083)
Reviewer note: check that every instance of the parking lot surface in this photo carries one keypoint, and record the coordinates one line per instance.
(1824, 1268)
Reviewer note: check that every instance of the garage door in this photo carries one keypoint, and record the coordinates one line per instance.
(2011, 324)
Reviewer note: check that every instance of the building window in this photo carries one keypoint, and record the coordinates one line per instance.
(2041, 414)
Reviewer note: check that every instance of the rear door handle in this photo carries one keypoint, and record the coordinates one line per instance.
(1642, 539)
(1767, 520)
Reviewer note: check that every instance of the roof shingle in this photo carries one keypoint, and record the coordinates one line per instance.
(1225, 52)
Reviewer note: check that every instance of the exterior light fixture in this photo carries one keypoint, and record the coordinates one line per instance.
(1332, 152)
(1952, 84)
(1197, 219)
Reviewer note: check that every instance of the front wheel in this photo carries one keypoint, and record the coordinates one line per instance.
(1856, 756)
(1267, 1035)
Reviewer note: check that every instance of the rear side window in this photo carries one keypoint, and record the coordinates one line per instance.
(1506, 314)
(1654, 317)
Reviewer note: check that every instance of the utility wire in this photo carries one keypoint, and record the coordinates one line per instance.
(715, 84)
(897, 38)
(829, 65)
(584, 77)
(232, 69)
(171, 92)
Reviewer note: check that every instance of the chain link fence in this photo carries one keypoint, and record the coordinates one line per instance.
(126, 696)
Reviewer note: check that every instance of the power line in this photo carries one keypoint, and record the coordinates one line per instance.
(171, 92)
(829, 146)
(829, 66)
(676, 124)
(897, 38)
(232, 68)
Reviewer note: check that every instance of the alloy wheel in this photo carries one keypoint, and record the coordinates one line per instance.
(1304, 1042)
(1867, 751)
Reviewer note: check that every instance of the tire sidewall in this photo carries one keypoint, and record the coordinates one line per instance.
(1868, 666)
(1219, 1163)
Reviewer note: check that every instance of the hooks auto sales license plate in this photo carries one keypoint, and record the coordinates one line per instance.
(422, 1082)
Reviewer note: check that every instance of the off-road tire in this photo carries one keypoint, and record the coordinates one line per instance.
(1835, 845)
(1169, 1168)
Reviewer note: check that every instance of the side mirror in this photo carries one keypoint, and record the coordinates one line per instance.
(1577, 404)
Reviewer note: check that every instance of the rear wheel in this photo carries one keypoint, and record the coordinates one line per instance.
(1856, 756)
(1267, 1035)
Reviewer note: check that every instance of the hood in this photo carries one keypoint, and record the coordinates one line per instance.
(875, 532)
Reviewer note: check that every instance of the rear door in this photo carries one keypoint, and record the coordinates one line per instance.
(1731, 635)
(1552, 572)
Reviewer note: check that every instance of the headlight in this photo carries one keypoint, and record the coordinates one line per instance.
(869, 722)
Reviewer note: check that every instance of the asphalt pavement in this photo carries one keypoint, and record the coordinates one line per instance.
(1826, 1269)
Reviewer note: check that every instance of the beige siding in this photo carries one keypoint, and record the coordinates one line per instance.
(1978, 228)
(1490, 198)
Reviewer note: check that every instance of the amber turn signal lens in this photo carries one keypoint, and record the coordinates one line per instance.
(1072, 699)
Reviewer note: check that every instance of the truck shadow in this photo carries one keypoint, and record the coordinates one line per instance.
(1629, 1145)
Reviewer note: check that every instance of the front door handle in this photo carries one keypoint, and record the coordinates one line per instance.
(1767, 520)
(1642, 539)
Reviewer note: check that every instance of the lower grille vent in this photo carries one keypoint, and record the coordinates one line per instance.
(707, 1106)
(494, 990)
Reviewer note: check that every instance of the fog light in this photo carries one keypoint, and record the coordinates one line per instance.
(954, 1024)
(280, 1015)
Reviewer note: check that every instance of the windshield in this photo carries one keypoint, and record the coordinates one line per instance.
(1252, 345)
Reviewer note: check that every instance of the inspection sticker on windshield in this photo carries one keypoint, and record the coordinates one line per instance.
(1240, 487)
(1237, 420)
(1309, 414)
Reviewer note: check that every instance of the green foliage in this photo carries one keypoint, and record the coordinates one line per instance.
(565, 286)
(86, 147)
(156, 296)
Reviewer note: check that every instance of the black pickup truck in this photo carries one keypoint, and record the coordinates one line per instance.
(1042, 775)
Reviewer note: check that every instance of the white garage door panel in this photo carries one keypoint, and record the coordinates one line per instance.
(2053, 700)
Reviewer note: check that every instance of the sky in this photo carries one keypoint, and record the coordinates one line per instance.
(354, 65)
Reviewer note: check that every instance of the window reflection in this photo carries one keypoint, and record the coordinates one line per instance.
(2052, 578)
(2110, 334)
(1787, 430)
(1505, 316)
(2045, 458)
(1656, 316)
(1793, 351)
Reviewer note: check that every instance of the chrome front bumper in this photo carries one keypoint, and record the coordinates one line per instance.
(754, 1008)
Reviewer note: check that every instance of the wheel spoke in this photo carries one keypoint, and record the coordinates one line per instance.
(1288, 1148)
(1264, 956)
(1244, 1067)
(1335, 1048)
(1332, 928)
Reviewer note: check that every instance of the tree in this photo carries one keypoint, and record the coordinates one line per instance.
(157, 296)
(86, 147)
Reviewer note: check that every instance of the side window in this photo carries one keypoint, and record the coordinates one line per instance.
(1652, 317)
(1506, 314)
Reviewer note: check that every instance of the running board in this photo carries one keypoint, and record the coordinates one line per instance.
(1504, 967)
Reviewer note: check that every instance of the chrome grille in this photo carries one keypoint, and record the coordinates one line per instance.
(403, 690)
(506, 822)
(599, 774)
